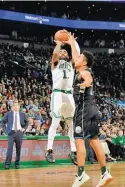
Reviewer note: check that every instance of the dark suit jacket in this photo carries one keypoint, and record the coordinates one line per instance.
(8, 119)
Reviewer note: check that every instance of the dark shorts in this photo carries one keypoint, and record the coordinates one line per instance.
(86, 121)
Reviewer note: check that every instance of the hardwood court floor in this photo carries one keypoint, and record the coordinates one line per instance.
(61, 176)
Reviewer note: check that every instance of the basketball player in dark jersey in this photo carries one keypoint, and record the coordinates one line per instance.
(86, 117)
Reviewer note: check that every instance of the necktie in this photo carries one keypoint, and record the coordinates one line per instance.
(15, 122)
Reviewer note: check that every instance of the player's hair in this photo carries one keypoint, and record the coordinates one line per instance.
(67, 47)
(90, 58)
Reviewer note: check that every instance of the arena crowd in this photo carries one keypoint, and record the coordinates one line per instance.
(26, 76)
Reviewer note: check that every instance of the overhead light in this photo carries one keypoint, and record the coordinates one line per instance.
(93, 5)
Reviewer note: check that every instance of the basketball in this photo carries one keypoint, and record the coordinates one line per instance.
(61, 35)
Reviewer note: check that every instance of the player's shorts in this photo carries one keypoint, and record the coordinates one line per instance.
(62, 101)
(86, 120)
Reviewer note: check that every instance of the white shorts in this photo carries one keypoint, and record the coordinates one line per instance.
(61, 101)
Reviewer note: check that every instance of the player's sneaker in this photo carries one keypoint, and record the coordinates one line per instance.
(80, 180)
(73, 157)
(49, 156)
(106, 178)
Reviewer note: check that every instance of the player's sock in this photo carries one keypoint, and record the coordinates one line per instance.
(70, 134)
(50, 144)
(52, 132)
(80, 170)
(103, 170)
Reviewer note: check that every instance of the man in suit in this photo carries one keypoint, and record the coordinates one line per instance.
(14, 124)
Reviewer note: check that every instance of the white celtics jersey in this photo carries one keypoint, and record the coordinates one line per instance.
(63, 75)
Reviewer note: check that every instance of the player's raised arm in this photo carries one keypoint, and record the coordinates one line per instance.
(55, 56)
(78, 50)
(74, 47)
(75, 51)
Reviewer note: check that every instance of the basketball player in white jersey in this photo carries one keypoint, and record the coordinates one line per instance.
(62, 101)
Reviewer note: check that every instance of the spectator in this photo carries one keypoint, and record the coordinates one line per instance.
(34, 93)
(120, 142)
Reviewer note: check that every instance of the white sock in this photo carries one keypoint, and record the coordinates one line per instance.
(52, 132)
(71, 135)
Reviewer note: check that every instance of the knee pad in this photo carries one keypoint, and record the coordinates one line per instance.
(66, 110)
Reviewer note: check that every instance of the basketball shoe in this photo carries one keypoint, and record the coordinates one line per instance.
(106, 178)
(80, 180)
(73, 157)
(49, 156)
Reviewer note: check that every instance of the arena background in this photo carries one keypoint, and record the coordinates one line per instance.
(26, 45)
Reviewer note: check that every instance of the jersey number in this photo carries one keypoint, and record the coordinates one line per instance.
(64, 75)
